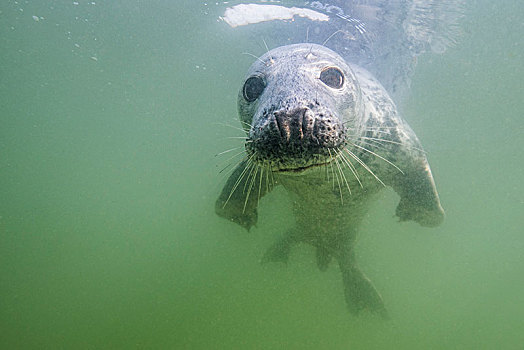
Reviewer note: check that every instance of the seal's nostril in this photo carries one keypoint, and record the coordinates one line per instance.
(282, 124)
(304, 124)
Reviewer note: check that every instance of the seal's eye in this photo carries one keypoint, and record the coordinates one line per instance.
(253, 88)
(332, 77)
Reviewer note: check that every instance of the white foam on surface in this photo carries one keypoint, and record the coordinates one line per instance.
(244, 14)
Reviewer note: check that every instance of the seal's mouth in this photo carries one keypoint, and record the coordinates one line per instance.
(302, 169)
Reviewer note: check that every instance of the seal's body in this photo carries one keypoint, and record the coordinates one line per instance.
(330, 134)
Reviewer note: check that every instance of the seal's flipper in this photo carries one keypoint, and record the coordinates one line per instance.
(323, 258)
(278, 252)
(239, 198)
(419, 199)
(359, 292)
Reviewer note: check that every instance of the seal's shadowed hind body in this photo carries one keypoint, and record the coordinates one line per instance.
(328, 132)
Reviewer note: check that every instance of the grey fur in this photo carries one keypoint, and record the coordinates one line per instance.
(322, 143)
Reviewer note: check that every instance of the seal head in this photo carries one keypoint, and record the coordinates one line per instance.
(295, 104)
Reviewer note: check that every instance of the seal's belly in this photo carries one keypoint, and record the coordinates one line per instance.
(327, 214)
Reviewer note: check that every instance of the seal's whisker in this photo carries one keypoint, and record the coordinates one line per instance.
(260, 184)
(249, 167)
(307, 34)
(380, 140)
(351, 167)
(332, 35)
(231, 167)
(271, 60)
(339, 180)
(224, 168)
(248, 180)
(232, 157)
(236, 137)
(332, 171)
(252, 182)
(342, 172)
(239, 180)
(234, 166)
(391, 141)
(333, 160)
(382, 144)
(364, 165)
(379, 156)
(380, 127)
(267, 178)
(256, 57)
(384, 130)
(231, 126)
(228, 150)
(246, 124)
(272, 177)
(309, 53)
(370, 128)
(357, 134)
(371, 143)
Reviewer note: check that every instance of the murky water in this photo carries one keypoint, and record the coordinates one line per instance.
(111, 115)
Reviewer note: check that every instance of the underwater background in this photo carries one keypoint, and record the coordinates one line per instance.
(111, 114)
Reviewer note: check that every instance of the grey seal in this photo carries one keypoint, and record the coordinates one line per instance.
(329, 133)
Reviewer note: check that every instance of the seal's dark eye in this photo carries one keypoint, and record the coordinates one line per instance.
(332, 77)
(253, 88)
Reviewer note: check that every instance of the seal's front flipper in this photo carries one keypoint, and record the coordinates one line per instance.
(419, 199)
(359, 292)
(239, 198)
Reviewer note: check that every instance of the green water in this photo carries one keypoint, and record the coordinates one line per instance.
(108, 238)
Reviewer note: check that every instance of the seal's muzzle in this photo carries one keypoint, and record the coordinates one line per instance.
(300, 135)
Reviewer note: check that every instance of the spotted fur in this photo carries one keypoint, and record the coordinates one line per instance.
(333, 150)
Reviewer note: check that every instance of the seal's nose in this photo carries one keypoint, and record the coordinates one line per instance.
(296, 134)
(302, 127)
(293, 125)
